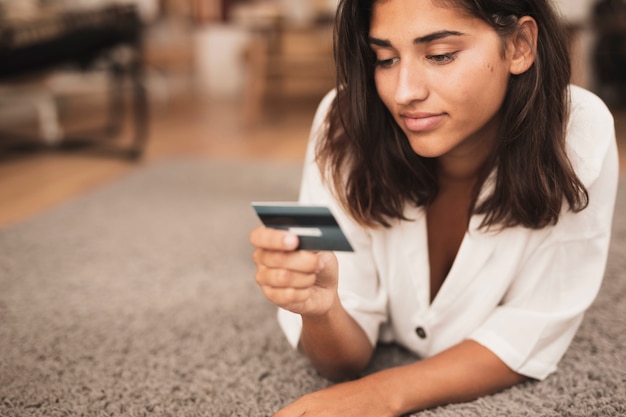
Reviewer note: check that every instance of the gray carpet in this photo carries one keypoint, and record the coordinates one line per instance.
(138, 299)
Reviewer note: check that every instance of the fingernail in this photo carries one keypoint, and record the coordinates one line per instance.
(290, 240)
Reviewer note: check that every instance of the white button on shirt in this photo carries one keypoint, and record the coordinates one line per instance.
(519, 292)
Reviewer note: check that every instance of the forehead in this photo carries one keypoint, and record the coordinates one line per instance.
(418, 16)
(441, 3)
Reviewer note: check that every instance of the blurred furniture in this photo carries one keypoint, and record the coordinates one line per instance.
(204, 11)
(109, 38)
(285, 57)
(609, 18)
(41, 101)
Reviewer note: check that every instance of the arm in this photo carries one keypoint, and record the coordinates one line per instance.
(335, 344)
(306, 283)
(462, 373)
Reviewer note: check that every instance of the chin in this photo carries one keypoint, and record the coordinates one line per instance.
(426, 151)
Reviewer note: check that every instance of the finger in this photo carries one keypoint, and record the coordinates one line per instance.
(284, 297)
(283, 278)
(300, 261)
(273, 239)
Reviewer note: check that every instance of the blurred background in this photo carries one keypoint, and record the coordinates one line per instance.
(93, 89)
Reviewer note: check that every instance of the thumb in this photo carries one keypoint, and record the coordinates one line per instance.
(328, 271)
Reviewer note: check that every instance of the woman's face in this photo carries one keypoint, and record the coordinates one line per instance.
(442, 74)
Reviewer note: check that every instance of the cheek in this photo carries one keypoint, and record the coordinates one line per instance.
(493, 70)
(482, 86)
(494, 86)
(384, 87)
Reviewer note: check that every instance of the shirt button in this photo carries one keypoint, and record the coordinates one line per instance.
(421, 332)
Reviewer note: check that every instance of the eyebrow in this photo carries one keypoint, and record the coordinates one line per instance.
(431, 37)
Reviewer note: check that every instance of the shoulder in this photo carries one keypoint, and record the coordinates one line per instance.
(584, 103)
(319, 126)
(590, 133)
(321, 114)
(313, 190)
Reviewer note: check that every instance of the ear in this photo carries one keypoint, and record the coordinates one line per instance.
(522, 45)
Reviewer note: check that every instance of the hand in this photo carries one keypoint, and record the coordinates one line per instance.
(360, 398)
(302, 282)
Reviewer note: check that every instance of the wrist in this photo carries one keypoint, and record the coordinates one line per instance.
(335, 344)
(380, 385)
(325, 315)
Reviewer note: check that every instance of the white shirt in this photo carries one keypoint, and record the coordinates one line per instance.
(519, 292)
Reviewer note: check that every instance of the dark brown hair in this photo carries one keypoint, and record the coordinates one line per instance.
(374, 171)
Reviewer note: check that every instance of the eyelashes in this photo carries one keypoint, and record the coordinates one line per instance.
(442, 58)
(438, 59)
(386, 63)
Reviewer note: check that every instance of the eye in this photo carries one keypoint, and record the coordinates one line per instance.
(442, 58)
(386, 63)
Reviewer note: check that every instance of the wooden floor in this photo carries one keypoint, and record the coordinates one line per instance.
(33, 183)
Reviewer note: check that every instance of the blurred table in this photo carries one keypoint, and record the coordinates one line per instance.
(110, 37)
(285, 57)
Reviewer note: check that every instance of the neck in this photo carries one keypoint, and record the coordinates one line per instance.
(464, 165)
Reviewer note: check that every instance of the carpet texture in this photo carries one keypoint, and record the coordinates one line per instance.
(138, 299)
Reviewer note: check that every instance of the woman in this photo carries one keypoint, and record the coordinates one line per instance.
(477, 189)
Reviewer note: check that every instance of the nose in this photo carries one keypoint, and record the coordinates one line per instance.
(411, 84)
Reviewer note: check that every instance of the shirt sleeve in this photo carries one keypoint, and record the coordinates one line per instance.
(359, 290)
(535, 323)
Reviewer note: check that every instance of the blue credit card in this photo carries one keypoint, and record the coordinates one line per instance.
(315, 226)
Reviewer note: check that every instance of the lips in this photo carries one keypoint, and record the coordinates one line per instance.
(421, 122)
